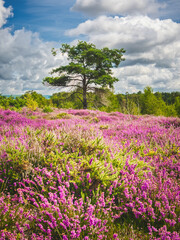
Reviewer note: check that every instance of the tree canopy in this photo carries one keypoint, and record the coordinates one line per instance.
(89, 68)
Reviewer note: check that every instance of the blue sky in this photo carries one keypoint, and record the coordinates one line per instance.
(149, 30)
(49, 18)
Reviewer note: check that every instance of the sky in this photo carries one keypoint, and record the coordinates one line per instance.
(149, 31)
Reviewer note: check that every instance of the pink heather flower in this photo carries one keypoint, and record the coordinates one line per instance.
(65, 237)
(125, 209)
(173, 213)
(136, 213)
(144, 195)
(126, 193)
(36, 204)
(173, 222)
(3, 235)
(84, 227)
(67, 184)
(91, 221)
(62, 225)
(149, 228)
(41, 227)
(154, 229)
(27, 225)
(110, 190)
(100, 237)
(157, 204)
(133, 189)
(88, 176)
(67, 168)
(50, 224)
(78, 232)
(90, 161)
(131, 205)
(49, 231)
(115, 235)
(149, 201)
(145, 186)
(75, 185)
(73, 234)
(20, 229)
(105, 222)
(115, 183)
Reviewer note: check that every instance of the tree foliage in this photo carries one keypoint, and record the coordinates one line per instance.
(88, 68)
(102, 99)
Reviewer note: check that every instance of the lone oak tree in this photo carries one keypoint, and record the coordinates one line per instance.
(88, 68)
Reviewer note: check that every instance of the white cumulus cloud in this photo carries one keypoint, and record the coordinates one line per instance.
(137, 77)
(24, 60)
(120, 7)
(4, 13)
(152, 49)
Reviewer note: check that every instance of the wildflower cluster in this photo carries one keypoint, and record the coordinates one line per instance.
(81, 174)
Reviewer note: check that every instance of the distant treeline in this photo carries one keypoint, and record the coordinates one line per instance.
(146, 102)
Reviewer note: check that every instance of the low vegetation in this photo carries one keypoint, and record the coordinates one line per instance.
(87, 174)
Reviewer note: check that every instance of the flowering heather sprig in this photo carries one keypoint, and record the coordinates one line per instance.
(58, 212)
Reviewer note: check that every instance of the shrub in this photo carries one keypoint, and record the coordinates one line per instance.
(47, 109)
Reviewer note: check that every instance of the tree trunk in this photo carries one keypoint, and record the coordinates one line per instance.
(84, 93)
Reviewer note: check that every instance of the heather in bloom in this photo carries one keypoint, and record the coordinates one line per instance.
(92, 175)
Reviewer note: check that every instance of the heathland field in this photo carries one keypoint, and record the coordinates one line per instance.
(84, 174)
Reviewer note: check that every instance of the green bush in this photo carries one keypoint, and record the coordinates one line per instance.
(47, 109)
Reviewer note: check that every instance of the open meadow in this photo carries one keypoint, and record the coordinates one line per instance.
(85, 174)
